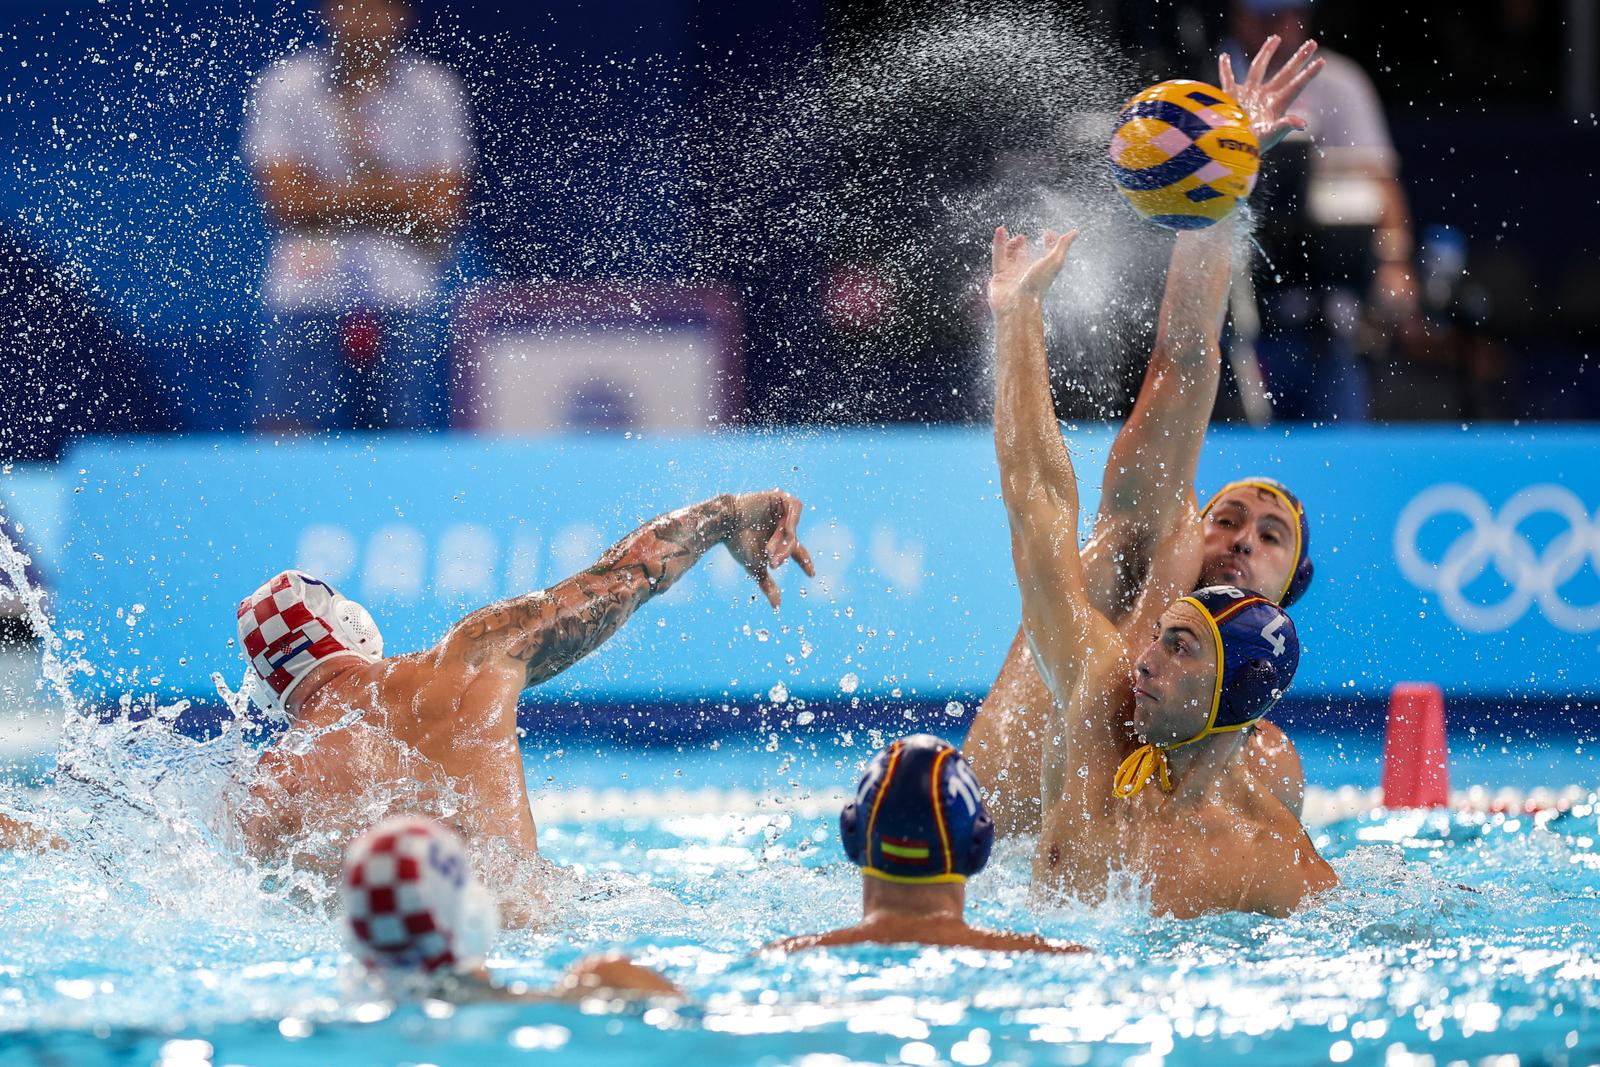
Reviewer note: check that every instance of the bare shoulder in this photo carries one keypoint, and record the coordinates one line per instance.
(1274, 762)
(848, 936)
(963, 937)
(1007, 941)
(1286, 867)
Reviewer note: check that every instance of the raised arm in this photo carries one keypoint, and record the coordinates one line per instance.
(1037, 481)
(542, 634)
(1148, 491)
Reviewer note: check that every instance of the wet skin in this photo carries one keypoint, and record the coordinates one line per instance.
(1220, 840)
(434, 733)
(896, 914)
(1149, 541)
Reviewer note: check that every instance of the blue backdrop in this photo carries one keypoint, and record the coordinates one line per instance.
(1462, 556)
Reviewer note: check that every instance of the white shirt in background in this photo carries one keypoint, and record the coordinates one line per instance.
(414, 122)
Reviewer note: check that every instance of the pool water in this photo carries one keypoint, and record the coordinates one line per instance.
(1456, 937)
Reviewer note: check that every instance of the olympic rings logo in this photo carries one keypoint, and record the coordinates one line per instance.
(1495, 539)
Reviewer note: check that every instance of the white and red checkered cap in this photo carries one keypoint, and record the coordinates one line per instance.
(412, 903)
(295, 622)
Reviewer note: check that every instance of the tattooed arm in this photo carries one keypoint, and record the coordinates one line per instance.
(544, 633)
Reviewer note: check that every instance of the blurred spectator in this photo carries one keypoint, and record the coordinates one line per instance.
(1338, 283)
(360, 151)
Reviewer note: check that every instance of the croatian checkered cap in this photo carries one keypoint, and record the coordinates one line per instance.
(295, 622)
(411, 901)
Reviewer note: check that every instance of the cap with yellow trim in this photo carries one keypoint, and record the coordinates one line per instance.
(1301, 573)
(917, 816)
(1258, 653)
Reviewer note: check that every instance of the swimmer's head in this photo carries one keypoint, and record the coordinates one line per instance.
(917, 816)
(1222, 658)
(294, 623)
(1257, 537)
(412, 904)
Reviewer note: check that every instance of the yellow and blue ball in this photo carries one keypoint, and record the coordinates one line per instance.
(1184, 155)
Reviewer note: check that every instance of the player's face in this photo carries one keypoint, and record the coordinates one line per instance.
(1176, 678)
(1249, 542)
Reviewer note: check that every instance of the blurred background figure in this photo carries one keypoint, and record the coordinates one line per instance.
(360, 151)
(1336, 287)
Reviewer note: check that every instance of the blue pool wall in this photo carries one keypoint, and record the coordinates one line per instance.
(1461, 556)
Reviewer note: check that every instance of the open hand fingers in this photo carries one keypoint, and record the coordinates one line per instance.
(1056, 247)
(1263, 59)
(1292, 89)
(997, 253)
(1293, 66)
(1225, 80)
(1017, 247)
(770, 587)
(781, 544)
(802, 556)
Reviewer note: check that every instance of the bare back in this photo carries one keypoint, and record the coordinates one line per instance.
(434, 733)
(918, 930)
(405, 734)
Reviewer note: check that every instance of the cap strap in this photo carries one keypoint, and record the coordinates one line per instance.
(938, 809)
(1138, 768)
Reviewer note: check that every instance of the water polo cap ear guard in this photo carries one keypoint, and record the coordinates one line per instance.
(1257, 652)
(1301, 573)
(917, 816)
(295, 622)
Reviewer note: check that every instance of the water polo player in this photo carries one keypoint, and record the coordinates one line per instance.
(918, 830)
(419, 920)
(1149, 530)
(435, 732)
(1208, 836)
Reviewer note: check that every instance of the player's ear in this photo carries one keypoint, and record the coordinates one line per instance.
(851, 834)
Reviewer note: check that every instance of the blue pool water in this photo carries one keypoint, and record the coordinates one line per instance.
(1454, 937)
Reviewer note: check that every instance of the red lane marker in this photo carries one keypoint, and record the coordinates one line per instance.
(1416, 764)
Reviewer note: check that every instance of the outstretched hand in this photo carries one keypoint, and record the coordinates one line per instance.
(1267, 100)
(767, 536)
(1016, 276)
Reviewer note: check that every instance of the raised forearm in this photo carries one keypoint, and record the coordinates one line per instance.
(1028, 444)
(1154, 456)
(551, 630)
(1196, 300)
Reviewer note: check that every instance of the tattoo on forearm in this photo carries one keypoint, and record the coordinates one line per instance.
(551, 630)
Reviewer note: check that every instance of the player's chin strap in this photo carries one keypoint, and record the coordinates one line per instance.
(1144, 763)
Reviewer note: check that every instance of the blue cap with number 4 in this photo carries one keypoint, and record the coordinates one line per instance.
(1258, 652)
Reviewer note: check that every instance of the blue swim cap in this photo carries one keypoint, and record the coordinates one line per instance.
(917, 816)
(1258, 652)
(1300, 574)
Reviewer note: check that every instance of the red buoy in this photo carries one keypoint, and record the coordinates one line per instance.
(1416, 765)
